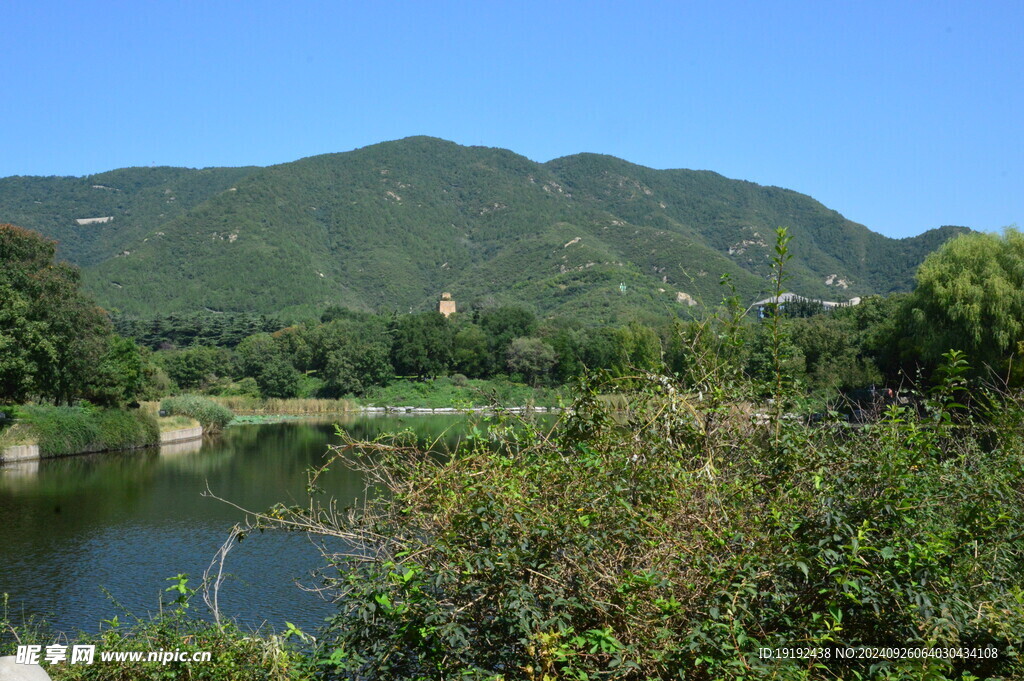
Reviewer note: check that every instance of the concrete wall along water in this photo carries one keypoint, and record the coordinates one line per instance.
(31, 452)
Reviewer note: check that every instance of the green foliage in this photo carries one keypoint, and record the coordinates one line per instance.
(222, 329)
(156, 382)
(421, 345)
(531, 358)
(470, 354)
(127, 429)
(970, 296)
(255, 352)
(770, 358)
(24, 345)
(453, 392)
(122, 374)
(61, 431)
(503, 324)
(195, 367)
(637, 348)
(355, 366)
(278, 378)
(842, 349)
(245, 387)
(801, 308)
(211, 415)
(51, 337)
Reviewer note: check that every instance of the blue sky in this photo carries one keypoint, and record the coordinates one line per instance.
(901, 115)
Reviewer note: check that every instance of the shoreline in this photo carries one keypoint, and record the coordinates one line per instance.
(15, 454)
(391, 409)
(30, 452)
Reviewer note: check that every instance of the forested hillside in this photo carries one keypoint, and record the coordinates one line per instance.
(136, 200)
(392, 225)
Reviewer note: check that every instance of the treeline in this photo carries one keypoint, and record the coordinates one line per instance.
(57, 346)
(347, 352)
(895, 341)
(162, 332)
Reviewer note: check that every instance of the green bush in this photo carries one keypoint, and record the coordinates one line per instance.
(243, 387)
(71, 430)
(211, 415)
(679, 538)
(14, 411)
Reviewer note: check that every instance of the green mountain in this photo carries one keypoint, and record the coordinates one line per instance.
(394, 224)
(97, 216)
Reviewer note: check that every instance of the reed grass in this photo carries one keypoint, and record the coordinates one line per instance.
(72, 430)
(244, 404)
(211, 414)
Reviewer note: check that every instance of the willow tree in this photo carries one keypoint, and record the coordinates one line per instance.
(970, 296)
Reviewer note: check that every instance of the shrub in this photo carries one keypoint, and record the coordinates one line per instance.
(211, 415)
(279, 379)
(246, 386)
(682, 541)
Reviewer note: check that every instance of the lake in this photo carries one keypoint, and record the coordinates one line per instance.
(75, 528)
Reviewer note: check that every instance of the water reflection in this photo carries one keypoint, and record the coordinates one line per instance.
(187, 447)
(126, 521)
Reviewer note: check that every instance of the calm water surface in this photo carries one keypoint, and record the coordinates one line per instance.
(123, 522)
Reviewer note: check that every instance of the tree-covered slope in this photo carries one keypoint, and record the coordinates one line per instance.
(135, 200)
(394, 224)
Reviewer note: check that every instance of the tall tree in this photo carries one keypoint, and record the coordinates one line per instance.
(471, 355)
(422, 345)
(970, 297)
(502, 324)
(52, 338)
(532, 358)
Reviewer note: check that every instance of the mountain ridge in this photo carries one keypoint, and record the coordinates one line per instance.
(390, 225)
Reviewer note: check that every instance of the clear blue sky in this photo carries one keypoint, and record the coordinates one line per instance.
(901, 115)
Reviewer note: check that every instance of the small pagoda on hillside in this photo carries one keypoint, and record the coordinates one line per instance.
(446, 306)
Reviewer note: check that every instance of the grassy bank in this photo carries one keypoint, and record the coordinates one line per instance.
(446, 392)
(60, 431)
(168, 423)
(14, 434)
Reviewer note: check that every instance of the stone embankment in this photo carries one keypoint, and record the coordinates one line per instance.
(20, 453)
(31, 452)
(181, 435)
